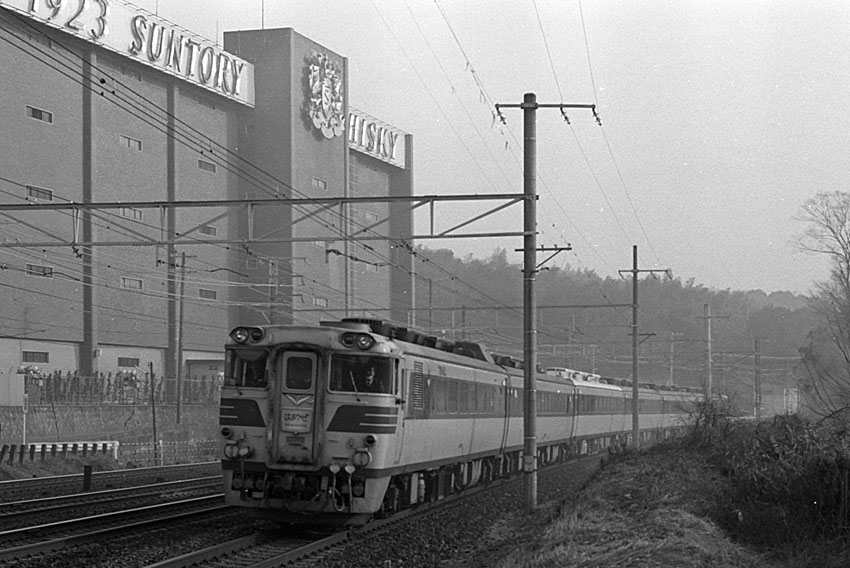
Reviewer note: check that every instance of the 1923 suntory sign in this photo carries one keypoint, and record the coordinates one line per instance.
(152, 41)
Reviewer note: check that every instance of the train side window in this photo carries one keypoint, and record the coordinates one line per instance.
(247, 368)
(452, 396)
(361, 374)
(438, 395)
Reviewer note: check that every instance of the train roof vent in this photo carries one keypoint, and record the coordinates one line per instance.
(375, 325)
(470, 349)
(368, 321)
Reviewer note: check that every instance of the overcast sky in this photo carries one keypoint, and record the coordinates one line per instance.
(719, 118)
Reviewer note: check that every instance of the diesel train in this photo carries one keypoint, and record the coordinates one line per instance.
(353, 419)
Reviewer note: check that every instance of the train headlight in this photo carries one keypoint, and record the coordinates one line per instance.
(365, 341)
(231, 451)
(361, 458)
(334, 467)
(369, 441)
(349, 469)
(245, 450)
(243, 334)
(362, 341)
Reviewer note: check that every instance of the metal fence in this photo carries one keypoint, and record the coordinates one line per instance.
(59, 388)
(167, 453)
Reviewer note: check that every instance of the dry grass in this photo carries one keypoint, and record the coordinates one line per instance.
(651, 510)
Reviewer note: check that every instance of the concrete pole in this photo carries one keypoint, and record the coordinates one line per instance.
(635, 400)
(707, 311)
(529, 272)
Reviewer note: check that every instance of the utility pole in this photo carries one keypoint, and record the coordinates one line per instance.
(635, 401)
(757, 385)
(707, 311)
(672, 342)
(529, 106)
(708, 376)
(179, 355)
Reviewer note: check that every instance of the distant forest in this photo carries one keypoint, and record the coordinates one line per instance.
(584, 322)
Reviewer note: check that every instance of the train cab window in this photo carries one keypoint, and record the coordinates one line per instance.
(246, 368)
(299, 373)
(361, 374)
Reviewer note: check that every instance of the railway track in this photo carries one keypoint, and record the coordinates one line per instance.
(30, 488)
(15, 514)
(264, 550)
(219, 537)
(49, 537)
(257, 551)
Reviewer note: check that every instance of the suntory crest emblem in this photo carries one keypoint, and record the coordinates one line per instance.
(326, 96)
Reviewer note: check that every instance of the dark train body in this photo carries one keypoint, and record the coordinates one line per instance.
(352, 419)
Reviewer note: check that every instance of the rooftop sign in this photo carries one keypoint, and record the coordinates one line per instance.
(135, 33)
(378, 139)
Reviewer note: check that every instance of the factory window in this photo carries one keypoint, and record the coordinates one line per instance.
(39, 114)
(131, 283)
(35, 357)
(205, 294)
(206, 166)
(128, 361)
(35, 192)
(370, 217)
(208, 230)
(131, 213)
(39, 270)
(251, 263)
(130, 143)
(320, 302)
(320, 184)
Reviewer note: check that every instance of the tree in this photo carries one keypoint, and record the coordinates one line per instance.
(827, 355)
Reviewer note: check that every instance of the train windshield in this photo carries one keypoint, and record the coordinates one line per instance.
(246, 368)
(361, 373)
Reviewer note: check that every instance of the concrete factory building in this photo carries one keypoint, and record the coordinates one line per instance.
(153, 187)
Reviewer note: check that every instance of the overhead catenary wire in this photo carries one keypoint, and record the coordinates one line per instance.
(542, 180)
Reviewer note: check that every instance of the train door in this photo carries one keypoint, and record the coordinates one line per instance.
(400, 386)
(294, 434)
(574, 412)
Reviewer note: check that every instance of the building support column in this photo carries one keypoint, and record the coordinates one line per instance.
(172, 365)
(89, 350)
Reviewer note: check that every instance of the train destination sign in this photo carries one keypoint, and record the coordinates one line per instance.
(150, 40)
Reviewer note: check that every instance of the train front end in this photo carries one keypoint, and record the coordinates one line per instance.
(309, 420)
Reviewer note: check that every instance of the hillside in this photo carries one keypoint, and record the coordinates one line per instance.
(584, 322)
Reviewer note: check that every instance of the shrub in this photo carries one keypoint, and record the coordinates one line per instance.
(791, 477)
